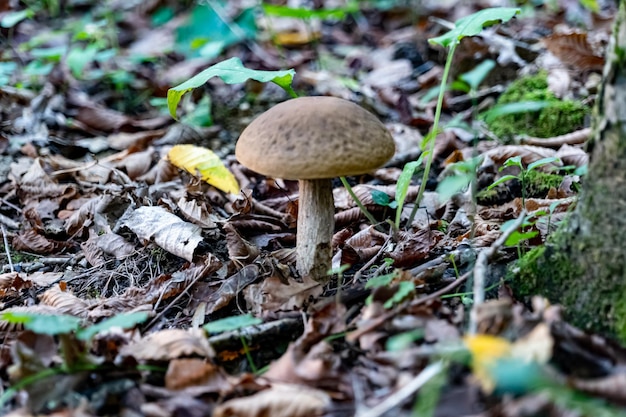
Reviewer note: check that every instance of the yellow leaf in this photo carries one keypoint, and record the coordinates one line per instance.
(203, 162)
(486, 350)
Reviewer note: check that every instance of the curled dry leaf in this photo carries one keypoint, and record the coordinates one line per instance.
(91, 211)
(572, 155)
(529, 154)
(230, 288)
(35, 183)
(412, 247)
(280, 400)
(31, 241)
(187, 372)
(167, 230)
(137, 164)
(169, 344)
(239, 249)
(573, 49)
(197, 212)
(65, 302)
(272, 294)
(135, 140)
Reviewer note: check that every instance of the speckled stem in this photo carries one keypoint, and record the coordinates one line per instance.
(316, 224)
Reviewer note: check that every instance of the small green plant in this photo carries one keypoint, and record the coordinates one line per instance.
(524, 174)
(470, 25)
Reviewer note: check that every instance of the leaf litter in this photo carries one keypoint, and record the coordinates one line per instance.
(98, 223)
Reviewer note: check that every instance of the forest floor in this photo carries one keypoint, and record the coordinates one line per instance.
(133, 287)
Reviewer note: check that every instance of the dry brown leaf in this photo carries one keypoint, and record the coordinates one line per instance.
(65, 302)
(138, 163)
(137, 140)
(412, 247)
(279, 401)
(574, 50)
(272, 294)
(183, 373)
(90, 212)
(108, 243)
(197, 212)
(529, 154)
(31, 241)
(36, 183)
(168, 231)
(103, 119)
(239, 249)
(170, 344)
(230, 288)
(572, 155)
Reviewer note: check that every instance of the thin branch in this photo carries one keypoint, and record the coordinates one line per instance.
(481, 267)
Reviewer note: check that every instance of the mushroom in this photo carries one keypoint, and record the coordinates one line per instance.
(312, 140)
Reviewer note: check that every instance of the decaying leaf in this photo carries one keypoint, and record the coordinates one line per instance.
(281, 400)
(203, 162)
(166, 229)
(170, 344)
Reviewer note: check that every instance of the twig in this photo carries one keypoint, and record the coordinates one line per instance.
(481, 267)
(6, 247)
(374, 323)
(402, 394)
(369, 263)
(9, 222)
(573, 138)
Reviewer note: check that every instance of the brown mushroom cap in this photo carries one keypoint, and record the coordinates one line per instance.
(314, 138)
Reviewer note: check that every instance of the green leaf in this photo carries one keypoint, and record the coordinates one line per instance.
(13, 18)
(380, 281)
(43, 324)
(380, 197)
(305, 14)
(541, 162)
(452, 184)
(402, 186)
(501, 180)
(473, 24)
(478, 74)
(514, 161)
(517, 237)
(53, 54)
(231, 323)
(404, 289)
(230, 71)
(403, 340)
(78, 58)
(515, 108)
(209, 30)
(124, 320)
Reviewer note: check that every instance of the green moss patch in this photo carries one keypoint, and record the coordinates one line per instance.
(559, 118)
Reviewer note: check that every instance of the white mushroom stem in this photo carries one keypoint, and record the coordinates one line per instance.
(316, 224)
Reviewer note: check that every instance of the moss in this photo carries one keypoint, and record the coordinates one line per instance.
(551, 271)
(539, 183)
(561, 117)
(490, 197)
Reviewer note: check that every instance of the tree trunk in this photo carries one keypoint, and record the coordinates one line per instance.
(584, 266)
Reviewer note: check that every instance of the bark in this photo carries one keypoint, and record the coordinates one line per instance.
(316, 223)
(584, 266)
